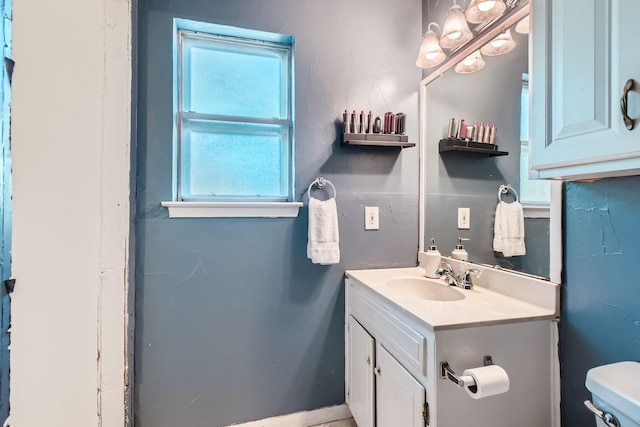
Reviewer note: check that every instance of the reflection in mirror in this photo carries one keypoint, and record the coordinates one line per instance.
(462, 28)
(498, 95)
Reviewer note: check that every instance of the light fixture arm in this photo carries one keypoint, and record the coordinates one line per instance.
(434, 23)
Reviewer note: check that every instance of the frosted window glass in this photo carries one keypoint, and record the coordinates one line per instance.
(222, 159)
(524, 113)
(233, 100)
(229, 78)
(532, 191)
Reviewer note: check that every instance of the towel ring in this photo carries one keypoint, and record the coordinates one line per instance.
(321, 182)
(504, 189)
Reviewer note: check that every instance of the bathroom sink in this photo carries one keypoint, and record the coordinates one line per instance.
(427, 289)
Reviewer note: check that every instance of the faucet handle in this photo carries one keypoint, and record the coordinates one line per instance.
(445, 269)
(445, 266)
(466, 276)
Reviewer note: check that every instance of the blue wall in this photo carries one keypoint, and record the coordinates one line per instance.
(233, 322)
(600, 321)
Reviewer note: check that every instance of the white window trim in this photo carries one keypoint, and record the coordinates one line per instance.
(220, 209)
(233, 209)
(536, 211)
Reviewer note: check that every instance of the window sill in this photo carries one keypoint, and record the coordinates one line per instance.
(232, 209)
(536, 211)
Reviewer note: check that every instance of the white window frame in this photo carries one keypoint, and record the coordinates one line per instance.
(180, 207)
(530, 209)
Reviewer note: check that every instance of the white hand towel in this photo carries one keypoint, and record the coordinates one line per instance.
(323, 245)
(508, 229)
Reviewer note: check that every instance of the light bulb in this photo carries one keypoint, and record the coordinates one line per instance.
(480, 11)
(430, 53)
(486, 5)
(469, 61)
(523, 26)
(470, 64)
(498, 43)
(501, 44)
(455, 32)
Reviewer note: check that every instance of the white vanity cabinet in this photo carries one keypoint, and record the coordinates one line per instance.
(380, 391)
(400, 398)
(384, 395)
(395, 347)
(360, 347)
(583, 54)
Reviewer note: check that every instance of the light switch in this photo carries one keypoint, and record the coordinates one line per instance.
(371, 219)
(464, 218)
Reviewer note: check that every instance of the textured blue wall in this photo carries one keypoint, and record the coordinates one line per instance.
(233, 323)
(600, 320)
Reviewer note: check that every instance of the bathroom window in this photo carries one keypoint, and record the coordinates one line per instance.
(233, 111)
(533, 193)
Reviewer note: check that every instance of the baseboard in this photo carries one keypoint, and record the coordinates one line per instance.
(303, 419)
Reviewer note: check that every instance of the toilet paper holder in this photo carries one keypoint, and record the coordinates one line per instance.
(461, 381)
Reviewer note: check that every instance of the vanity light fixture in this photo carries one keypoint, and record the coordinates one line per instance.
(501, 44)
(431, 53)
(470, 64)
(522, 27)
(456, 31)
(484, 10)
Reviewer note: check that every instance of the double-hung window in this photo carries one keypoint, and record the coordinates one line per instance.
(233, 116)
(535, 195)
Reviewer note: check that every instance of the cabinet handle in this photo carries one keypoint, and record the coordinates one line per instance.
(628, 121)
(368, 360)
(376, 371)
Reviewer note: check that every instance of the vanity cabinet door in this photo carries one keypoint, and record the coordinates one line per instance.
(361, 377)
(400, 398)
(583, 54)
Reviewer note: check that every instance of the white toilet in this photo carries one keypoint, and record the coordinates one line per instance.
(615, 391)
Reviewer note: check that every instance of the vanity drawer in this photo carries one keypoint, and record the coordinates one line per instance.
(402, 341)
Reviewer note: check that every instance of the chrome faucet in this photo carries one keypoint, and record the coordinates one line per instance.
(460, 280)
(447, 271)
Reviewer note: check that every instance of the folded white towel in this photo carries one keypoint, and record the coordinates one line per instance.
(508, 230)
(323, 245)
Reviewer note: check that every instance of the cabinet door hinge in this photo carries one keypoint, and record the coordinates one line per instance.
(425, 413)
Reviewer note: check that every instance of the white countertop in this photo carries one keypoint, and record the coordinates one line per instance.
(480, 307)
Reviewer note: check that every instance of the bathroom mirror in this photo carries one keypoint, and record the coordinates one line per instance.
(453, 180)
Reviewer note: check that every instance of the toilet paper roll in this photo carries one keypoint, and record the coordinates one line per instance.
(490, 380)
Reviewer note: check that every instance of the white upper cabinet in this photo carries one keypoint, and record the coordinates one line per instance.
(583, 54)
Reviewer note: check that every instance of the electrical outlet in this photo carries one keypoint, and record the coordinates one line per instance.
(464, 218)
(371, 219)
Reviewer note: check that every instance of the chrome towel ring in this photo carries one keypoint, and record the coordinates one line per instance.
(505, 189)
(321, 183)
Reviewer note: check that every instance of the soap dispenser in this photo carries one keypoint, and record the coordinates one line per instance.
(432, 260)
(459, 252)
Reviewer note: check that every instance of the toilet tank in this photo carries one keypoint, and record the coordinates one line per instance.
(615, 389)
